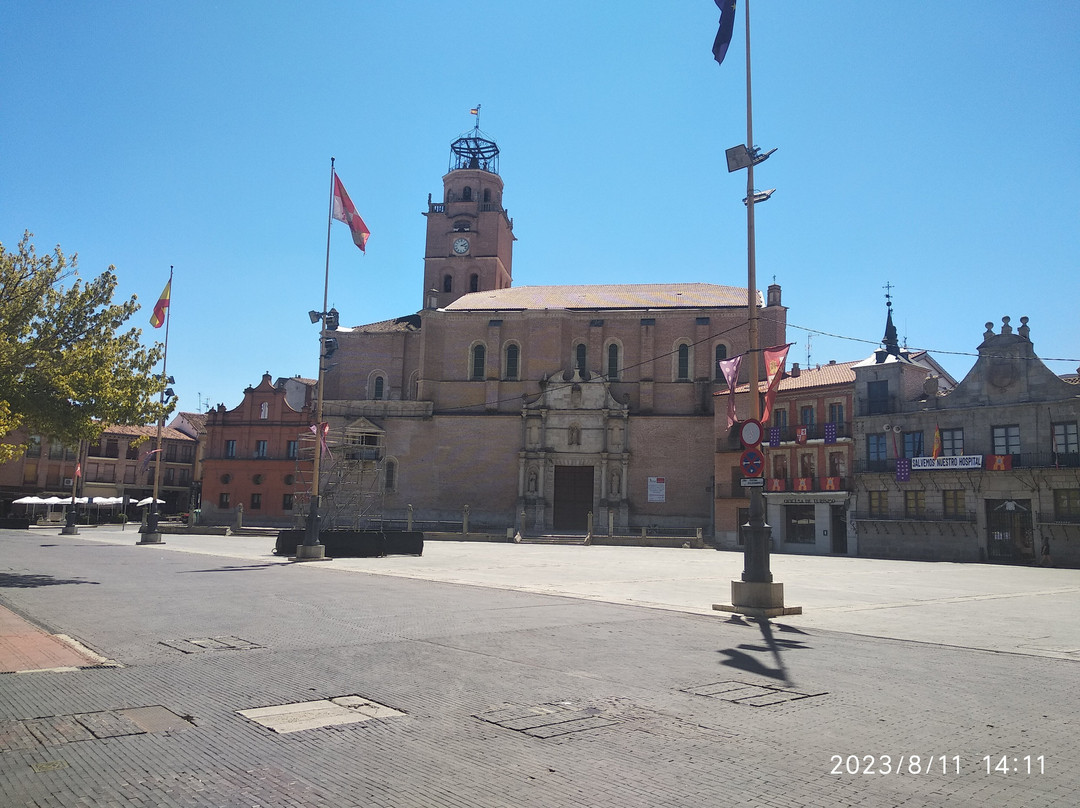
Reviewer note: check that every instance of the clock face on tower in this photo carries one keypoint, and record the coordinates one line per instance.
(461, 246)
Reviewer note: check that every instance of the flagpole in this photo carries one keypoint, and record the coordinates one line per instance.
(152, 535)
(311, 533)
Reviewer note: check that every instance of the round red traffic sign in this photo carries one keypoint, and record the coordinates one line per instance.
(751, 433)
(752, 463)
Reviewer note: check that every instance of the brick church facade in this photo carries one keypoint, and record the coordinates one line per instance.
(539, 408)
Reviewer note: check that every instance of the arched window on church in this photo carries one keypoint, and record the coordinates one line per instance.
(479, 356)
(721, 354)
(613, 361)
(683, 373)
(466, 194)
(390, 475)
(487, 195)
(513, 354)
(448, 283)
(474, 283)
(579, 358)
(379, 388)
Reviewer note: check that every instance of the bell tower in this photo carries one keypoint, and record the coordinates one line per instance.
(470, 237)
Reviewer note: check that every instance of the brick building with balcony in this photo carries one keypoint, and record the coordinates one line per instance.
(986, 471)
(121, 463)
(252, 471)
(809, 453)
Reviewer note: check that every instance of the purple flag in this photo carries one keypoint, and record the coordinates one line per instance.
(830, 433)
(903, 469)
(730, 369)
(774, 436)
(727, 27)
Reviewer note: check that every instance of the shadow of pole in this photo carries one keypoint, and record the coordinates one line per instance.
(747, 657)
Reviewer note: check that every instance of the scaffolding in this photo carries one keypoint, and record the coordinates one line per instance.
(350, 477)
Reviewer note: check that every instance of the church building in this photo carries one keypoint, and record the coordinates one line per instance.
(546, 409)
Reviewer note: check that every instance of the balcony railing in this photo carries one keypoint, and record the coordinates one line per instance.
(795, 485)
(928, 516)
(1025, 460)
(791, 433)
(1044, 517)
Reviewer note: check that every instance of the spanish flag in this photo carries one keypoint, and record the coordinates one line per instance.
(157, 320)
(936, 452)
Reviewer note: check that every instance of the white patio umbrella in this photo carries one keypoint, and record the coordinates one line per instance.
(32, 502)
(143, 502)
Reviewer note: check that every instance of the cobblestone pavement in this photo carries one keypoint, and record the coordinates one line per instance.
(447, 694)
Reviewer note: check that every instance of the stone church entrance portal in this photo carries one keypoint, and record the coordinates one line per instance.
(573, 498)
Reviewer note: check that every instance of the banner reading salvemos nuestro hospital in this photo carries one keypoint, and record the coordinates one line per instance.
(953, 462)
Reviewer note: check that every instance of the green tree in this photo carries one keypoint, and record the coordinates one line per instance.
(66, 367)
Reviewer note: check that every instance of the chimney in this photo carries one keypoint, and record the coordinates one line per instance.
(773, 295)
(795, 370)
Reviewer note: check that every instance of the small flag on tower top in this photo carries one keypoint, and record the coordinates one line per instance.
(345, 211)
(727, 27)
(157, 319)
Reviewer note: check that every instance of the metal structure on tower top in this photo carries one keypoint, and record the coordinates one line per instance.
(474, 149)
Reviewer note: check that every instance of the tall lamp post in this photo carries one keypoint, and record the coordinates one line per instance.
(756, 594)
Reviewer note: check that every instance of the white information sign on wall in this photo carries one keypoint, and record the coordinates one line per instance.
(657, 489)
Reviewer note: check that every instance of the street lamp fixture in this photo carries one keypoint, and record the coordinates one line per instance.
(760, 196)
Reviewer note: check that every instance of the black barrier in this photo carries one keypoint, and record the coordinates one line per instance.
(356, 543)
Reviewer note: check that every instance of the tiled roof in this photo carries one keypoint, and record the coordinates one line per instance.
(610, 296)
(820, 376)
(196, 419)
(149, 431)
(399, 325)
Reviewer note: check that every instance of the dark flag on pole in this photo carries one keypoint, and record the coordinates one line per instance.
(727, 26)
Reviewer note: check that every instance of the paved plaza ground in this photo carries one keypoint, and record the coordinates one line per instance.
(208, 672)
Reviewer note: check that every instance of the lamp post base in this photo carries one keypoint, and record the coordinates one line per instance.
(757, 599)
(150, 538)
(310, 552)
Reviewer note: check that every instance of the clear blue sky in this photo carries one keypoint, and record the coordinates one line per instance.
(932, 145)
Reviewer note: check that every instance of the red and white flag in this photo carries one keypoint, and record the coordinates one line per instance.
(345, 211)
(774, 371)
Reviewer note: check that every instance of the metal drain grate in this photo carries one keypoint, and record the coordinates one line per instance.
(549, 720)
(755, 695)
(200, 644)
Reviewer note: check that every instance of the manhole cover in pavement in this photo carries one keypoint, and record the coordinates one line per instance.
(303, 715)
(755, 695)
(58, 730)
(199, 644)
(549, 720)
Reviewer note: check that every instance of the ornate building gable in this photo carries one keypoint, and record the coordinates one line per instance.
(1008, 371)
